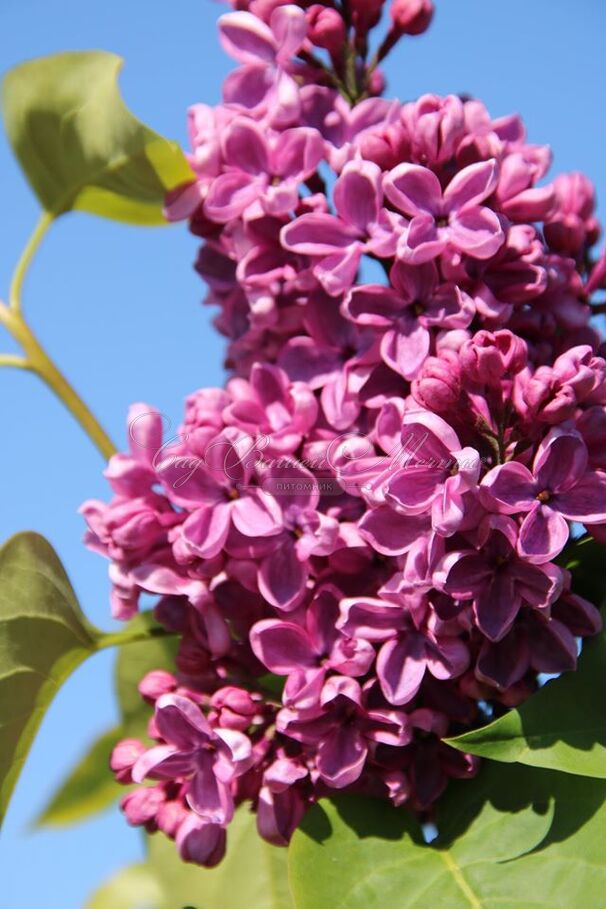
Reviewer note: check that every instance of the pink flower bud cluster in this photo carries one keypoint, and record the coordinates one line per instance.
(356, 540)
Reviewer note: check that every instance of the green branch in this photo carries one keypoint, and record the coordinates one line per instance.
(36, 359)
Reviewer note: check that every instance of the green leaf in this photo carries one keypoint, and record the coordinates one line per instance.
(514, 838)
(135, 661)
(253, 875)
(133, 888)
(79, 145)
(90, 786)
(561, 727)
(44, 636)
(584, 558)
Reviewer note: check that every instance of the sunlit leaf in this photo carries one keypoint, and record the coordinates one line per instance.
(90, 787)
(80, 146)
(44, 636)
(515, 838)
(562, 726)
(253, 875)
(133, 888)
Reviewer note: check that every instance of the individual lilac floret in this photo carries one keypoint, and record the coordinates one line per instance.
(498, 580)
(263, 84)
(560, 488)
(413, 642)
(307, 653)
(343, 730)
(455, 216)
(211, 759)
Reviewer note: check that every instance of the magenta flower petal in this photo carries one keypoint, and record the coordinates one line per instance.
(477, 232)
(472, 185)
(373, 304)
(423, 241)
(239, 758)
(369, 619)
(318, 235)
(246, 38)
(245, 147)
(289, 26)
(401, 666)
(248, 86)
(405, 348)
(230, 195)
(337, 272)
(586, 501)
(297, 153)
(358, 194)
(341, 757)
(414, 488)
(561, 462)
(180, 721)
(543, 534)
(161, 762)
(200, 842)
(414, 190)
(447, 659)
(282, 577)
(206, 529)
(281, 646)
(210, 798)
(391, 533)
(510, 486)
(505, 662)
(496, 607)
(256, 514)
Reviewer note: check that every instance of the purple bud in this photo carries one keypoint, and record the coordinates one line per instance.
(141, 806)
(325, 28)
(123, 757)
(171, 815)
(438, 386)
(366, 14)
(412, 17)
(489, 356)
(572, 224)
(236, 708)
(156, 683)
(201, 843)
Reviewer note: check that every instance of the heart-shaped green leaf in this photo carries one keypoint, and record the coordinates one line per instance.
(515, 838)
(79, 145)
(90, 786)
(562, 726)
(133, 888)
(44, 636)
(253, 875)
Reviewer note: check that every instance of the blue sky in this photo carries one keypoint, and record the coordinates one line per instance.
(119, 309)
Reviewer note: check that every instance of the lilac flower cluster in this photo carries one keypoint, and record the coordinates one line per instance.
(356, 539)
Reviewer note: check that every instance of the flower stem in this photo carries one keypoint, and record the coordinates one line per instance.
(31, 247)
(13, 360)
(120, 638)
(36, 359)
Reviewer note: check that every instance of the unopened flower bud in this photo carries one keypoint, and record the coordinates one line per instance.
(236, 708)
(366, 13)
(572, 224)
(412, 17)
(325, 28)
(488, 356)
(438, 386)
(123, 758)
(141, 806)
(155, 684)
